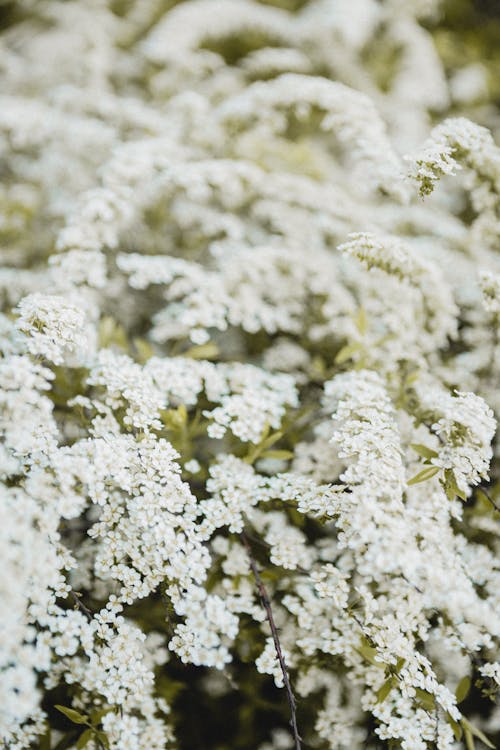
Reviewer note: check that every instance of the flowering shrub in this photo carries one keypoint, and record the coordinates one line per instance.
(249, 378)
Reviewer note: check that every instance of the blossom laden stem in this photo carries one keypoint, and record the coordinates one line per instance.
(266, 603)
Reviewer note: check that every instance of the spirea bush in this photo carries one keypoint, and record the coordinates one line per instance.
(249, 376)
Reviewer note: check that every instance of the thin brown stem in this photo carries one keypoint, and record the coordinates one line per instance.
(490, 499)
(266, 603)
(429, 427)
(80, 605)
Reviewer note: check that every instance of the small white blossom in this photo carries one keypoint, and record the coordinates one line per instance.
(492, 671)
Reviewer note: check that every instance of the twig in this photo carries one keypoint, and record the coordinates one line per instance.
(266, 603)
(80, 605)
(488, 497)
(414, 585)
(429, 427)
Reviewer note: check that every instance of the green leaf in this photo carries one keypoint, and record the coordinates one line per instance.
(369, 653)
(400, 664)
(412, 377)
(174, 419)
(84, 738)
(103, 739)
(347, 351)
(462, 689)
(450, 492)
(468, 727)
(271, 440)
(282, 455)
(96, 716)
(483, 497)
(361, 321)
(477, 732)
(318, 366)
(72, 715)
(423, 450)
(210, 350)
(426, 699)
(143, 349)
(457, 729)
(384, 691)
(451, 487)
(425, 474)
(469, 739)
(112, 333)
(265, 432)
(266, 442)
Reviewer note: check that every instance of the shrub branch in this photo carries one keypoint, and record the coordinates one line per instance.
(266, 603)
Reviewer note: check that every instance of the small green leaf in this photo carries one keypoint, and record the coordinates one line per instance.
(412, 377)
(384, 691)
(369, 653)
(143, 350)
(84, 738)
(361, 321)
(450, 492)
(265, 432)
(210, 350)
(266, 442)
(463, 688)
(112, 333)
(347, 351)
(318, 366)
(96, 716)
(425, 474)
(469, 739)
(174, 419)
(451, 487)
(457, 729)
(477, 732)
(271, 440)
(103, 739)
(423, 450)
(426, 699)
(72, 715)
(485, 500)
(400, 664)
(282, 455)
(468, 727)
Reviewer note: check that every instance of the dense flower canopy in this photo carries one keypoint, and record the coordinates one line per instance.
(249, 376)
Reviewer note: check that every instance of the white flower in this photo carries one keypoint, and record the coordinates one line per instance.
(268, 663)
(492, 671)
(52, 326)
